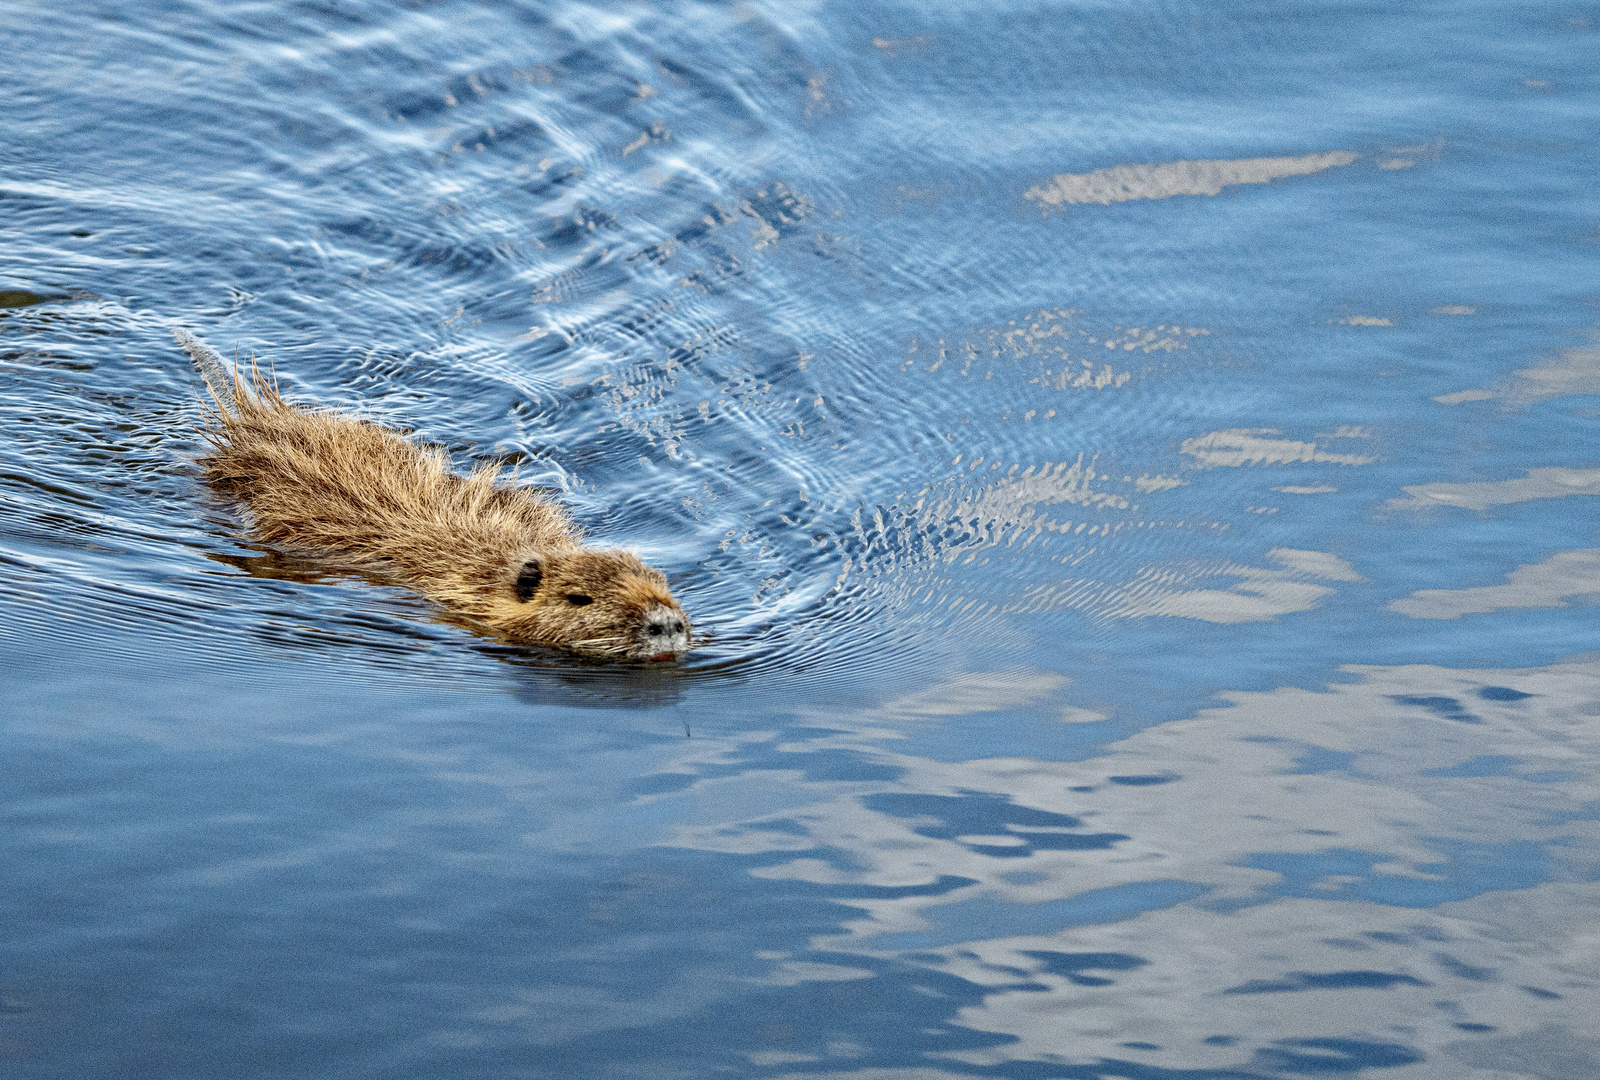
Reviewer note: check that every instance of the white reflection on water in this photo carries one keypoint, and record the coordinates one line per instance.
(1414, 849)
(795, 972)
(1261, 593)
(1249, 446)
(977, 692)
(1431, 982)
(1550, 483)
(1046, 333)
(1150, 484)
(1008, 504)
(1125, 182)
(1575, 371)
(1549, 584)
(1405, 157)
(873, 1074)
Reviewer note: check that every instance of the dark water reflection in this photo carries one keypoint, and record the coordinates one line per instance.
(1134, 466)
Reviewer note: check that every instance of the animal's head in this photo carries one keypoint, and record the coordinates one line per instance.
(601, 603)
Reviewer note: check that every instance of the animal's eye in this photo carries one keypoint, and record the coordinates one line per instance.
(528, 579)
(656, 629)
(677, 628)
(578, 599)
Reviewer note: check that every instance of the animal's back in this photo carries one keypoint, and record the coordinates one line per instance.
(324, 481)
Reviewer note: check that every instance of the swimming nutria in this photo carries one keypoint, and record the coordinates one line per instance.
(502, 556)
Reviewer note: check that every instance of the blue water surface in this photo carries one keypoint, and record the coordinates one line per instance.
(1133, 466)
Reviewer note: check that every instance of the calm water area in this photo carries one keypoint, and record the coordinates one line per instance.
(1133, 467)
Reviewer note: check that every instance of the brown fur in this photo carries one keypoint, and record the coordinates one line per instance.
(502, 556)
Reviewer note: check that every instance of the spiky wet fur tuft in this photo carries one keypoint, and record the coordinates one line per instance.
(503, 556)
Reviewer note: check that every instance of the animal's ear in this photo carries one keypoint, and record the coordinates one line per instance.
(529, 576)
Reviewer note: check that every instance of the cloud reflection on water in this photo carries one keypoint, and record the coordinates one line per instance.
(1260, 593)
(1248, 446)
(1185, 888)
(1548, 584)
(1575, 371)
(1126, 182)
(1548, 483)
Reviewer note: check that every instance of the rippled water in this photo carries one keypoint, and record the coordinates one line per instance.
(1135, 465)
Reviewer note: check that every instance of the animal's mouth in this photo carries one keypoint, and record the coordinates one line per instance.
(661, 657)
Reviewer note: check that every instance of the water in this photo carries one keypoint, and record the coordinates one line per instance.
(1134, 464)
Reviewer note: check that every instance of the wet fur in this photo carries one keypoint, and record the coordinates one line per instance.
(503, 556)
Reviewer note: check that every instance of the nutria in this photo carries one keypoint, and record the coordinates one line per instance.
(503, 556)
